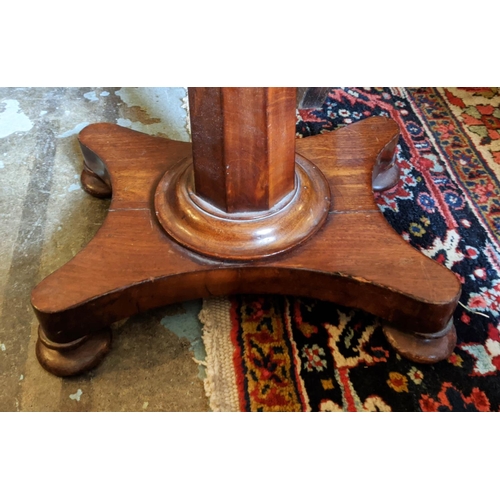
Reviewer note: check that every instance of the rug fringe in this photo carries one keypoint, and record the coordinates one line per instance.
(220, 382)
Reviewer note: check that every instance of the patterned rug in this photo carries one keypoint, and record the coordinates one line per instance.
(273, 353)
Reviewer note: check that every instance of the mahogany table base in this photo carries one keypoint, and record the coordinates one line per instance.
(351, 257)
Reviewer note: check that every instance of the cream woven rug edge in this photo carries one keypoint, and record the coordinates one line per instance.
(220, 382)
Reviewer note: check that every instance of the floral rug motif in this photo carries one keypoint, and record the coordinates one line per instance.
(478, 108)
(296, 354)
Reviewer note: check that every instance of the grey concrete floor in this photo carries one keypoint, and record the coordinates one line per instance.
(45, 219)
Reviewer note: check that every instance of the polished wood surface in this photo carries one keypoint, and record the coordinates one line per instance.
(93, 184)
(354, 259)
(423, 348)
(386, 174)
(73, 358)
(243, 236)
(243, 145)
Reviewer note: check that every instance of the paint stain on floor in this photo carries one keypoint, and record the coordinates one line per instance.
(46, 219)
(186, 325)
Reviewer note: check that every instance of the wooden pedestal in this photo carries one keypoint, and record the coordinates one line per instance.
(174, 234)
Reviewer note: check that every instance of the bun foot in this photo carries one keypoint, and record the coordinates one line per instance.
(74, 358)
(386, 173)
(386, 179)
(423, 347)
(94, 185)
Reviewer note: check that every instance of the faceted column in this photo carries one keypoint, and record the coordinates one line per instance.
(243, 145)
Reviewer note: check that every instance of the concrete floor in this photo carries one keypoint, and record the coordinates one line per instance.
(45, 219)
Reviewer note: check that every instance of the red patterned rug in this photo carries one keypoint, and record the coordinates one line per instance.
(295, 354)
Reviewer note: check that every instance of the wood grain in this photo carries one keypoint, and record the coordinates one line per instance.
(243, 145)
(355, 258)
(244, 236)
